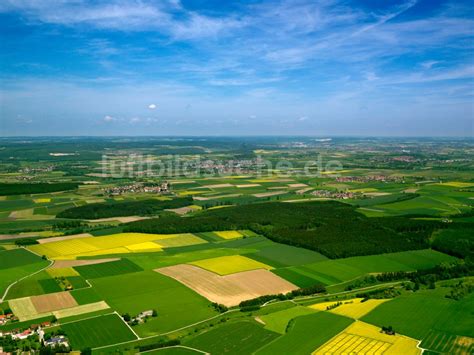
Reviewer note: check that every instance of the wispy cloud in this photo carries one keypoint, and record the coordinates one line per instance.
(259, 61)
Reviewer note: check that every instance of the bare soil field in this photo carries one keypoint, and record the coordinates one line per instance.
(66, 237)
(228, 290)
(268, 194)
(182, 210)
(71, 263)
(53, 302)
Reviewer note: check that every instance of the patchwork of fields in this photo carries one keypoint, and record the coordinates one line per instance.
(122, 243)
(229, 289)
(340, 256)
(363, 338)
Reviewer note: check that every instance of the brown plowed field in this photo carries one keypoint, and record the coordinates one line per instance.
(228, 290)
(53, 302)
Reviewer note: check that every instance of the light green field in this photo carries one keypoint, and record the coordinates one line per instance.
(98, 331)
(415, 315)
(176, 304)
(242, 337)
(278, 321)
(307, 333)
(336, 271)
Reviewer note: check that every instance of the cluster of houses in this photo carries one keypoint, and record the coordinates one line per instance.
(405, 159)
(8, 317)
(56, 341)
(140, 318)
(19, 334)
(370, 178)
(343, 195)
(161, 188)
(241, 166)
(22, 334)
(29, 173)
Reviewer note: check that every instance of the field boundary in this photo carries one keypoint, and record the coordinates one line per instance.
(51, 262)
(175, 346)
(302, 298)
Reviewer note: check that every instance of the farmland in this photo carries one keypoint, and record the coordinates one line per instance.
(230, 339)
(301, 339)
(97, 332)
(226, 265)
(363, 338)
(282, 262)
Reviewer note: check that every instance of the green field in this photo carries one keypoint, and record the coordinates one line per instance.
(37, 284)
(243, 337)
(307, 333)
(279, 255)
(86, 295)
(17, 257)
(98, 331)
(119, 267)
(445, 343)
(415, 315)
(176, 304)
(410, 220)
(336, 271)
(278, 321)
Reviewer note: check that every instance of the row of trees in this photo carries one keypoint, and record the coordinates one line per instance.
(255, 303)
(127, 208)
(427, 277)
(36, 188)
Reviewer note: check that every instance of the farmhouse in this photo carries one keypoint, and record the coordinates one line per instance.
(57, 341)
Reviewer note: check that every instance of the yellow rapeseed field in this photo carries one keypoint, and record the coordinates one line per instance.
(120, 243)
(353, 308)
(62, 272)
(225, 265)
(42, 200)
(228, 234)
(364, 338)
(144, 246)
(457, 184)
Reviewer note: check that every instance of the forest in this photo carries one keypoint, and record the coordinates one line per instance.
(127, 208)
(35, 188)
(314, 225)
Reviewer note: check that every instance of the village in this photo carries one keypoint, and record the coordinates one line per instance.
(33, 337)
(369, 178)
(161, 188)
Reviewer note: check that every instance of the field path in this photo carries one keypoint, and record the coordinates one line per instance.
(24, 277)
(303, 298)
(174, 347)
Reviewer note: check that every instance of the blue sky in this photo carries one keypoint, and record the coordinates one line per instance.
(195, 67)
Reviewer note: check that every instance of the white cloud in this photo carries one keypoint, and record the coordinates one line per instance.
(303, 118)
(124, 15)
(109, 118)
(152, 106)
(429, 64)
